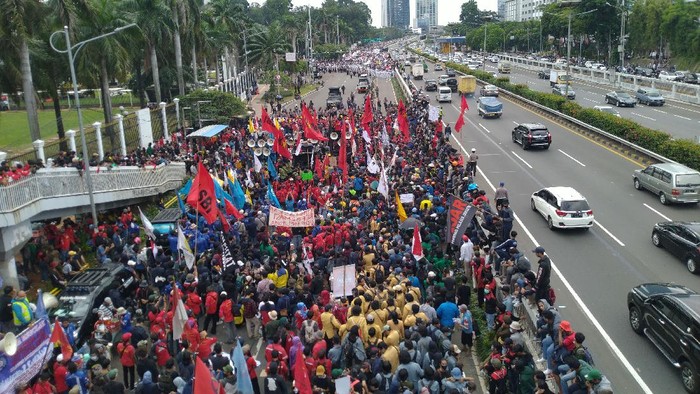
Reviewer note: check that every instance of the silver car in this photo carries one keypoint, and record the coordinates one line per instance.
(673, 183)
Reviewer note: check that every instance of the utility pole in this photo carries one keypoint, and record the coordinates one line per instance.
(568, 49)
(622, 33)
(337, 30)
(311, 38)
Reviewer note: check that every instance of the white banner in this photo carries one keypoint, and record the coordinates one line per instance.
(282, 218)
(433, 113)
(343, 280)
(407, 198)
(145, 130)
(290, 57)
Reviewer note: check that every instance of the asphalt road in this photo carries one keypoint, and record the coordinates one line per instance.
(681, 120)
(600, 265)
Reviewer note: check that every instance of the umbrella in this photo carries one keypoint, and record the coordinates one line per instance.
(410, 223)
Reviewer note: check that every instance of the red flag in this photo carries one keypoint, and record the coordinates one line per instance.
(231, 210)
(224, 222)
(203, 380)
(460, 121)
(268, 125)
(403, 121)
(351, 116)
(301, 377)
(417, 247)
(367, 116)
(306, 116)
(319, 169)
(311, 134)
(438, 126)
(202, 196)
(343, 154)
(58, 337)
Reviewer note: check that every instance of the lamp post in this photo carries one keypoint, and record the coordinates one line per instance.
(72, 51)
(623, 16)
(568, 48)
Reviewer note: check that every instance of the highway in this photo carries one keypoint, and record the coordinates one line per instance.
(600, 265)
(681, 120)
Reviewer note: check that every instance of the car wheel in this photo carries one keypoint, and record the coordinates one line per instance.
(636, 322)
(656, 239)
(637, 184)
(662, 199)
(617, 103)
(607, 101)
(532, 204)
(514, 139)
(550, 224)
(689, 378)
(525, 146)
(692, 265)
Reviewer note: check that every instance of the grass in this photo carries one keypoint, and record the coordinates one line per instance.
(397, 89)
(14, 127)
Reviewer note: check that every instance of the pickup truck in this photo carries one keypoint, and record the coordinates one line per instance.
(335, 98)
(363, 84)
(504, 67)
(489, 107)
(559, 78)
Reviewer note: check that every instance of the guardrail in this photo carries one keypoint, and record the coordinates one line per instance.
(674, 90)
(620, 144)
(404, 86)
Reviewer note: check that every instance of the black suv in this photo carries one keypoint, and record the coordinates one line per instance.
(163, 223)
(532, 134)
(335, 98)
(669, 315)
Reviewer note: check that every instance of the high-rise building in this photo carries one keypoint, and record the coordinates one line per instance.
(523, 10)
(501, 9)
(426, 14)
(396, 13)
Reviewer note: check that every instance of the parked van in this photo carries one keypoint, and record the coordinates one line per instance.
(504, 67)
(444, 94)
(672, 182)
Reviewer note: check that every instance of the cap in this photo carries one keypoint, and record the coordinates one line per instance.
(273, 315)
(126, 337)
(473, 149)
(228, 368)
(565, 325)
(456, 350)
(370, 318)
(465, 238)
(496, 363)
(121, 311)
(431, 274)
(112, 374)
(594, 374)
(59, 358)
(515, 326)
(320, 370)
(538, 249)
(456, 373)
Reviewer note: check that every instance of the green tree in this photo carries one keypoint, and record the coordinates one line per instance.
(266, 45)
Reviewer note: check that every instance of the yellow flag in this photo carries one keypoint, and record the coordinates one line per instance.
(248, 197)
(251, 127)
(399, 208)
(277, 124)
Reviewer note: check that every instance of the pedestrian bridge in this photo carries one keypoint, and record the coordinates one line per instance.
(60, 192)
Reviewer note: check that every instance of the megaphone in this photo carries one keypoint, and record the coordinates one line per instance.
(334, 135)
(270, 141)
(8, 345)
(347, 135)
(251, 143)
(261, 143)
(258, 151)
(266, 151)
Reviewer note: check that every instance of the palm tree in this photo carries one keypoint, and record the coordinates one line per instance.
(186, 16)
(265, 45)
(18, 19)
(154, 18)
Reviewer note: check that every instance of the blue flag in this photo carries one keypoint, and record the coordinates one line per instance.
(186, 189)
(272, 197)
(181, 204)
(221, 195)
(40, 312)
(237, 193)
(245, 386)
(271, 168)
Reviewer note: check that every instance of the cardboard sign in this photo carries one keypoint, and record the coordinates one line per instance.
(282, 218)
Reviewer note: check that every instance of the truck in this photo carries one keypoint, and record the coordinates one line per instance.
(504, 67)
(417, 71)
(489, 107)
(363, 84)
(557, 77)
(466, 85)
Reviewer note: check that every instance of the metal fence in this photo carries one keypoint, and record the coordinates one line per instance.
(110, 136)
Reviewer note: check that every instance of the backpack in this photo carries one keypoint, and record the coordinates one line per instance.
(165, 383)
(309, 330)
(582, 353)
(385, 382)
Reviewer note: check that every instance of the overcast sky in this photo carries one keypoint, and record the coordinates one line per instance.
(448, 10)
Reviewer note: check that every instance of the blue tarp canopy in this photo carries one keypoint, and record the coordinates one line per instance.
(491, 103)
(208, 131)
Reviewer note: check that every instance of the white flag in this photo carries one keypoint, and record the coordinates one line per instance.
(248, 181)
(372, 165)
(256, 163)
(147, 225)
(433, 113)
(354, 147)
(365, 136)
(298, 150)
(385, 136)
(396, 124)
(184, 247)
(383, 186)
(179, 317)
(393, 158)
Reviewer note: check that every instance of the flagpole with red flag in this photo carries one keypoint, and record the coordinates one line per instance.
(203, 381)
(301, 377)
(463, 107)
(202, 196)
(417, 246)
(58, 336)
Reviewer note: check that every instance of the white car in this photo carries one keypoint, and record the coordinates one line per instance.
(563, 207)
(442, 79)
(607, 109)
(444, 94)
(667, 76)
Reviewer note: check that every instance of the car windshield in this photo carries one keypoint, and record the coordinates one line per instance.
(576, 205)
(653, 94)
(623, 95)
(686, 180)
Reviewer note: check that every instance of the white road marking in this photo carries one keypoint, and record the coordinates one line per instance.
(682, 117)
(609, 233)
(482, 126)
(516, 122)
(658, 213)
(571, 157)
(683, 108)
(642, 116)
(658, 110)
(521, 159)
(591, 100)
(611, 344)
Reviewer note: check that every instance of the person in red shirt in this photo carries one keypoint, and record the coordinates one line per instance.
(43, 386)
(275, 346)
(127, 356)
(204, 347)
(252, 364)
(194, 302)
(59, 375)
(226, 314)
(211, 307)
(160, 349)
(282, 368)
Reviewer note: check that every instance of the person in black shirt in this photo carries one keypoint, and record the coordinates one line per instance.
(112, 386)
(274, 384)
(218, 359)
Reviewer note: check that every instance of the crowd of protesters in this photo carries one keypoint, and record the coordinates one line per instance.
(404, 328)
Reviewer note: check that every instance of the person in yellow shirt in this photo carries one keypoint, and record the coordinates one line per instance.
(371, 324)
(391, 306)
(356, 319)
(329, 324)
(410, 301)
(391, 354)
(395, 324)
(426, 204)
(368, 257)
(380, 315)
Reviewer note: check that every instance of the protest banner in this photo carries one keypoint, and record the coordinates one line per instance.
(459, 216)
(27, 361)
(343, 280)
(282, 218)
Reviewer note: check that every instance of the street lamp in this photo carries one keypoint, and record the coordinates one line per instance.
(568, 49)
(71, 58)
(621, 47)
